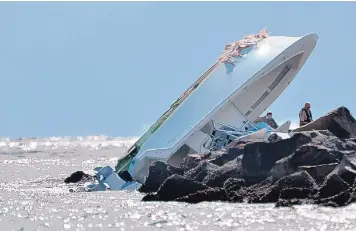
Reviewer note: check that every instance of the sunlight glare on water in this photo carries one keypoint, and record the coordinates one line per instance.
(33, 196)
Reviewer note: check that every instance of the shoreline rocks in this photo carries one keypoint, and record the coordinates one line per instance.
(317, 165)
(79, 176)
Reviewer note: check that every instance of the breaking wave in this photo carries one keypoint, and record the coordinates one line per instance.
(43, 144)
(23, 145)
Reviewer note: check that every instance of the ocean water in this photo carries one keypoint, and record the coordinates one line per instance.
(33, 196)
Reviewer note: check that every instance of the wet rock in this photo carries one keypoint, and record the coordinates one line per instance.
(234, 184)
(218, 177)
(177, 186)
(298, 180)
(150, 197)
(270, 192)
(79, 176)
(211, 194)
(259, 157)
(332, 186)
(346, 169)
(158, 173)
(319, 172)
(353, 193)
(271, 195)
(202, 170)
(296, 193)
(341, 199)
(340, 122)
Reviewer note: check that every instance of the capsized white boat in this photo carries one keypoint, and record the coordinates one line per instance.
(217, 109)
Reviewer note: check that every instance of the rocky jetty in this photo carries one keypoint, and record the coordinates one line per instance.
(316, 165)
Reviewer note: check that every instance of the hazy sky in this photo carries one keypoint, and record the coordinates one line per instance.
(85, 68)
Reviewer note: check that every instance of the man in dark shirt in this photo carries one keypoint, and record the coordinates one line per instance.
(267, 119)
(305, 115)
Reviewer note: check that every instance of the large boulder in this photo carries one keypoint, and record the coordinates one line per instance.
(158, 173)
(225, 157)
(339, 121)
(346, 169)
(259, 157)
(308, 154)
(274, 138)
(332, 186)
(319, 172)
(192, 160)
(269, 192)
(234, 184)
(217, 178)
(177, 186)
(341, 199)
(202, 170)
(297, 180)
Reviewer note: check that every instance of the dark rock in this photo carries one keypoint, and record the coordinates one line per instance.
(270, 193)
(236, 144)
(211, 194)
(332, 142)
(296, 193)
(254, 193)
(192, 160)
(308, 154)
(234, 184)
(259, 157)
(346, 169)
(332, 186)
(224, 158)
(314, 154)
(79, 176)
(125, 175)
(341, 199)
(340, 122)
(274, 138)
(201, 171)
(177, 186)
(158, 173)
(230, 170)
(353, 193)
(150, 197)
(297, 180)
(319, 172)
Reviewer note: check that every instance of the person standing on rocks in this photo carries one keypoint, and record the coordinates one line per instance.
(267, 119)
(305, 115)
